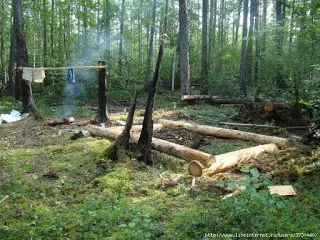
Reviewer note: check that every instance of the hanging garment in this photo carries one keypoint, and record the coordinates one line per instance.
(27, 73)
(33, 74)
(70, 76)
(38, 75)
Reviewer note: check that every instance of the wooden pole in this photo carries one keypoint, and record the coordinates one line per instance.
(103, 116)
(66, 68)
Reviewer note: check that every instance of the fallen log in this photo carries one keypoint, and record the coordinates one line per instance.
(170, 148)
(262, 125)
(225, 133)
(212, 99)
(59, 121)
(227, 160)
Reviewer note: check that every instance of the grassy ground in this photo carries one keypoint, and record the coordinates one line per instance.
(57, 188)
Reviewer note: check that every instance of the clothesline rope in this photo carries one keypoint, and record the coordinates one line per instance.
(66, 68)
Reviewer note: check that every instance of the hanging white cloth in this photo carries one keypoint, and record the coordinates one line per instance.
(33, 74)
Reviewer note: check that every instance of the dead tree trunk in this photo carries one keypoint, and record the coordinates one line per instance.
(144, 144)
(117, 150)
(103, 113)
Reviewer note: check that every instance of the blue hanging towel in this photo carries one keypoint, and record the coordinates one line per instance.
(70, 76)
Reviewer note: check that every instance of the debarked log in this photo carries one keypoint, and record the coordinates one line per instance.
(228, 160)
(164, 146)
(225, 133)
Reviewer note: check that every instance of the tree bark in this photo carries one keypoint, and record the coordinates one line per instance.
(243, 60)
(237, 23)
(228, 160)
(170, 148)
(184, 48)
(19, 57)
(145, 139)
(108, 29)
(150, 49)
(121, 37)
(103, 112)
(250, 44)
(51, 31)
(212, 32)
(225, 133)
(204, 49)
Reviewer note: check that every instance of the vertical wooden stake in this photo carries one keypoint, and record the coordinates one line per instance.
(103, 115)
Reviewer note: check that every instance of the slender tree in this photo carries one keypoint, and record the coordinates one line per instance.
(184, 48)
(121, 37)
(250, 43)
(212, 32)
(204, 50)
(243, 67)
(237, 22)
(150, 48)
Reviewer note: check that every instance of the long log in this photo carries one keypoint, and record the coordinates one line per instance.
(211, 99)
(227, 160)
(170, 148)
(225, 133)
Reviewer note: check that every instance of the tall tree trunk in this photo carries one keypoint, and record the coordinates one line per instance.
(44, 17)
(263, 39)
(19, 57)
(150, 49)
(140, 33)
(121, 37)
(204, 53)
(237, 22)
(145, 138)
(221, 23)
(51, 31)
(108, 30)
(279, 37)
(243, 68)
(2, 47)
(184, 49)
(212, 32)
(250, 43)
(85, 29)
(256, 73)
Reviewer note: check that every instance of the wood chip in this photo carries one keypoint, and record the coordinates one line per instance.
(285, 190)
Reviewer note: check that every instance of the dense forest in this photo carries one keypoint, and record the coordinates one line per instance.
(158, 119)
(226, 47)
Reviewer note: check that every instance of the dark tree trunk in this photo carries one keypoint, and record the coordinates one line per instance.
(121, 37)
(256, 73)
(103, 112)
(108, 30)
(45, 51)
(51, 31)
(150, 48)
(145, 138)
(243, 68)
(280, 22)
(250, 43)
(184, 49)
(263, 39)
(19, 57)
(212, 32)
(2, 47)
(237, 22)
(204, 54)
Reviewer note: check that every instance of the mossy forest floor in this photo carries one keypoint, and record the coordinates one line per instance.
(51, 187)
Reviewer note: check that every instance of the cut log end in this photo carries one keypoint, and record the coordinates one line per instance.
(195, 168)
